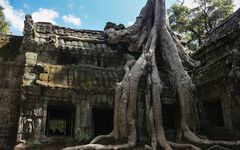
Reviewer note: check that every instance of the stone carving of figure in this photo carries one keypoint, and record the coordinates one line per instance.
(29, 126)
(28, 129)
(31, 123)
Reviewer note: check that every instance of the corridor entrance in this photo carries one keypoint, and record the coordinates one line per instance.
(102, 121)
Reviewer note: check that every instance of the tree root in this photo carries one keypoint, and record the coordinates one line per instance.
(181, 146)
(190, 137)
(101, 147)
(103, 139)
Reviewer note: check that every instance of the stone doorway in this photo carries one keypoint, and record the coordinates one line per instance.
(169, 116)
(213, 113)
(102, 121)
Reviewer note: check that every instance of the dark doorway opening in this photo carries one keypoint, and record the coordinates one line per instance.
(169, 116)
(60, 121)
(213, 113)
(102, 121)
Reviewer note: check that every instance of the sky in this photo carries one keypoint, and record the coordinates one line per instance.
(78, 14)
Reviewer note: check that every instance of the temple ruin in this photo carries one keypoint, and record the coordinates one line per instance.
(58, 83)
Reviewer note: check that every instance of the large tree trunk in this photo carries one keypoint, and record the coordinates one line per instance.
(152, 37)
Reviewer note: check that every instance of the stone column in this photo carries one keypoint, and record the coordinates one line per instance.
(77, 130)
(44, 121)
(83, 118)
(20, 129)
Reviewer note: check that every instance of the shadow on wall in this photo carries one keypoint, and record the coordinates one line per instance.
(11, 74)
(9, 47)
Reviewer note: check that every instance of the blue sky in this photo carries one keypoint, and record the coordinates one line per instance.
(79, 14)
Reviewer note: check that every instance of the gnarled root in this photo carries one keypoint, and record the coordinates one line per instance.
(100, 147)
(190, 137)
(181, 146)
(103, 139)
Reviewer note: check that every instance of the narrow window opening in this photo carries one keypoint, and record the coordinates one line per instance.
(59, 121)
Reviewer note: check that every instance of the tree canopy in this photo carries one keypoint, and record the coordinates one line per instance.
(4, 25)
(194, 24)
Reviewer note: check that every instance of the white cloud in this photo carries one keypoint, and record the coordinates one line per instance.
(72, 20)
(130, 23)
(13, 16)
(45, 15)
(16, 17)
(237, 4)
(193, 3)
(190, 3)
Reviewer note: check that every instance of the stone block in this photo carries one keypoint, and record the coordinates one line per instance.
(43, 76)
(26, 82)
(74, 43)
(79, 34)
(63, 80)
(68, 43)
(99, 46)
(61, 31)
(31, 59)
(29, 76)
(86, 45)
(92, 46)
(46, 69)
(50, 77)
(104, 46)
(61, 42)
(54, 70)
(80, 44)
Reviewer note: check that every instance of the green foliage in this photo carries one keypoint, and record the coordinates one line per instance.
(4, 25)
(194, 24)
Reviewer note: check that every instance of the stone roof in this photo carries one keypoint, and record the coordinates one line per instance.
(46, 32)
(228, 27)
(217, 53)
(67, 38)
(227, 32)
(44, 36)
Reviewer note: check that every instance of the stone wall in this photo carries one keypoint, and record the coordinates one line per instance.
(11, 74)
(218, 79)
(65, 68)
